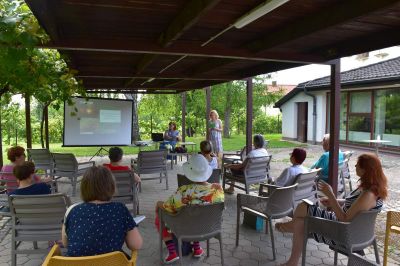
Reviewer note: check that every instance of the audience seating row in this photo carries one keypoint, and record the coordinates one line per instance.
(59, 165)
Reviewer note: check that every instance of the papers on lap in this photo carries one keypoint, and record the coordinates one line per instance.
(138, 219)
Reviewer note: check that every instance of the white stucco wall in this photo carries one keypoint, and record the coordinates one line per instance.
(289, 116)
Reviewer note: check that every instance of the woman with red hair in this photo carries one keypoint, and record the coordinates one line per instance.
(369, 195)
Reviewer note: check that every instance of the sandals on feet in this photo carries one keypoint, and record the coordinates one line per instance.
(230, 190)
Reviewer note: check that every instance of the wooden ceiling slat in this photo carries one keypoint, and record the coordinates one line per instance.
(324, 19)
(112, 42)
(183, 21)
(190, 14)
(179, 49)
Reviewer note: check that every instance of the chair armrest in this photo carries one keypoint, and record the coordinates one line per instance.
(270, 189)
(253, 202)
(134, 255)
(334, 230)
(91, 163)
(54, 251)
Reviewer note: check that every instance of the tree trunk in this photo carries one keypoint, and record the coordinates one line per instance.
(46, 126)
(227, 122)
(238, 125)
(3, 90)
(28, 125)
(135, 116)
(41, 128)
(227, 111)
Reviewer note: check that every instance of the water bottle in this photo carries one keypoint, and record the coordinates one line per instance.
(259, 224)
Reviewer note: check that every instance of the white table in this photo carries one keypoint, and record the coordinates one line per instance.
(377, 143)
(142, 144)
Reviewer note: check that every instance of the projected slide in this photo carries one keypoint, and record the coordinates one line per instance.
(99, 122)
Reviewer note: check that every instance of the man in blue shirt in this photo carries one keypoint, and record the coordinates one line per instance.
(323, 161)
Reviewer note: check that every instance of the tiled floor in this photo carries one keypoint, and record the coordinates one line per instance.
(254, 247)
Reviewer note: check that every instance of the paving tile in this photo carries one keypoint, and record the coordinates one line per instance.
(254, 247)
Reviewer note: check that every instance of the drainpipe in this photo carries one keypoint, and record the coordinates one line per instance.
(314, 112)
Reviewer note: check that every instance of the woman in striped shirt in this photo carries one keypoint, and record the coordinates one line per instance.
(371, 192)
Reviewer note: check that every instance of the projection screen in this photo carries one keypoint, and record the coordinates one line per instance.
(98, 122)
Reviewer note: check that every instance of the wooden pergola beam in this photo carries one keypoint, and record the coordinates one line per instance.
(181, 48)
(332, 16)
(140, 91)
(187, 17)
(365, 44)
(160, 77)
(333, 124)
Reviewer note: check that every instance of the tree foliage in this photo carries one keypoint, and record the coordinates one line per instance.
(26, 69)
(229, 99)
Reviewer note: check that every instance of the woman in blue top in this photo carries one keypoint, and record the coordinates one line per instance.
(172, 134)
(97, 225)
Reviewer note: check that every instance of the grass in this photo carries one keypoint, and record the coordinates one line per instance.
(235, 142)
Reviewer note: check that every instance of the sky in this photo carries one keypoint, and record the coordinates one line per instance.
(297, 75)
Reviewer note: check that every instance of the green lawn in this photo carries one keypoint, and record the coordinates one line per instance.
(236, 142)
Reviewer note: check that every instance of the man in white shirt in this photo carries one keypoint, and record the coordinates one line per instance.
(288, 175)
(258, 151)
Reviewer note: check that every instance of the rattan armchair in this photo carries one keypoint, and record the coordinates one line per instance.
(348, 237)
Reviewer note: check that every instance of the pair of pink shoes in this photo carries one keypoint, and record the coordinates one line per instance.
(174, 256)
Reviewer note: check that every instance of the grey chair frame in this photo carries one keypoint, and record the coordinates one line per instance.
(214, 178)
(126, 190)
(255, 172)
(232, 157)
(278, 205)
(5, 216)
(305, 188)
(348, 236)
(66, 165)
(36, 218)
(345, 174)
(152, 162)
(357, 260)
(42, 159)
(3, 182)
(208, 220)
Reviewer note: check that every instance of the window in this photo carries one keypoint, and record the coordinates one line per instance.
(387, 115)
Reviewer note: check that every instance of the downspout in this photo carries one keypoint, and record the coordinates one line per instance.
(314, 111)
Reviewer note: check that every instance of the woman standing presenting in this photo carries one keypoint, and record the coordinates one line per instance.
(215, 130)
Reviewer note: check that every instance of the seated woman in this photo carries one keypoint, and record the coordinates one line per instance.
(258, 151)
(200, 192)
(369, 195)
(172, 134)
(17, 156)
(206, 150)
(115, 155)
(98, 225)
(24, 174)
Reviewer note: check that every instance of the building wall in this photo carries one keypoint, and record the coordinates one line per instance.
(289, 116)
